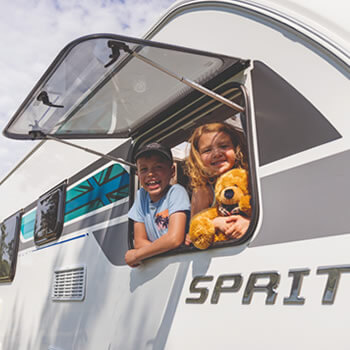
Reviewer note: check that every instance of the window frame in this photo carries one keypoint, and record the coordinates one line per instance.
(247, 127)
(16, 237)
(36, 93)
(60, 212)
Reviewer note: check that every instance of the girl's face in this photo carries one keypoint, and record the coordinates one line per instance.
(217, 152)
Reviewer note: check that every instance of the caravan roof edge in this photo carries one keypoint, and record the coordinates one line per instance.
(312, 22)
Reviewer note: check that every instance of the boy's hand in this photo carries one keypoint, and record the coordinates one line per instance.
(188, 240)
(237, 226)
(131, 258)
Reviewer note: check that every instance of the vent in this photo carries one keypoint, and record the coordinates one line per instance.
(69, 284)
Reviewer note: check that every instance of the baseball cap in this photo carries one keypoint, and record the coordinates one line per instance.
(154, 147)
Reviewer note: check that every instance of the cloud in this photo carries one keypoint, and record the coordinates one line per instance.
(32, 32)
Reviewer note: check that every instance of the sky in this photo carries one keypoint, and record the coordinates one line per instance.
(33, 32)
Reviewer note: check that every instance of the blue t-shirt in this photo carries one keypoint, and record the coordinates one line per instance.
(156, 215)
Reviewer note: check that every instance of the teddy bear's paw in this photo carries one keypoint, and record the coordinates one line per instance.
(203, 241)
(202, 233)
(220, 237)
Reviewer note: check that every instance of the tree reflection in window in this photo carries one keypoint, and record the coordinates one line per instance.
(50, 215)
(9, 241)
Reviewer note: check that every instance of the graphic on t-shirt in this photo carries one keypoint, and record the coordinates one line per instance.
(162, 219)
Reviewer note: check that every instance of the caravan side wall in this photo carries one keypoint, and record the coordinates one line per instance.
(193, 300)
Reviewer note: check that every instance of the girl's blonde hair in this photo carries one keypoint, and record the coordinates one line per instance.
(199, 175)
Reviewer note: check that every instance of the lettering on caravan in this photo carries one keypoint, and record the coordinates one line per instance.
(265, 282)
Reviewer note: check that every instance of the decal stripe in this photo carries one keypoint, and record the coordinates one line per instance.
(61, 242)
(108, 186)
(27, 225)
(306, 202)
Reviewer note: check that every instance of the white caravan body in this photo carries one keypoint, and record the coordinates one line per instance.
(286, 285)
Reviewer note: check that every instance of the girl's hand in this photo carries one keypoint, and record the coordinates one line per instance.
(238, 226)
(131, 258)
(222, 223)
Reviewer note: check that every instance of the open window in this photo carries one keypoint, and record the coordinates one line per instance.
(50, 215)
(184, 117)
(9, 241)
(109, 86)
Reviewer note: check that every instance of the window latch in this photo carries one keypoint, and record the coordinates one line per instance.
(44, 98)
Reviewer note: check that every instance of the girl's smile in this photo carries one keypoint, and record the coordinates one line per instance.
(217, 152)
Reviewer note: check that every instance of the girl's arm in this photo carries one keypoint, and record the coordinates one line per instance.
(202, 198)
(234, 226)
(172, 239)
(238, 226)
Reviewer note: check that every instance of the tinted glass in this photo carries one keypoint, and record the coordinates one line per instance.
(9, 247)
(49, 216)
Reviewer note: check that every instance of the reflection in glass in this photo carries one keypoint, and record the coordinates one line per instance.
(101, 99)
(9, 240)
(49, 216)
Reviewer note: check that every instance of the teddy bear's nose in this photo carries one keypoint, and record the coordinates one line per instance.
(229, 194)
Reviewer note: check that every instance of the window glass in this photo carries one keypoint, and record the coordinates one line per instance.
(50, 215)
(9, 241)
(85, 92)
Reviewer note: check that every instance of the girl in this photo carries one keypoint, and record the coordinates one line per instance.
(215, 149)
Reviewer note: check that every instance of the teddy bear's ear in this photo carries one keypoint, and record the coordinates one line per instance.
(242, 173)
(241, 179)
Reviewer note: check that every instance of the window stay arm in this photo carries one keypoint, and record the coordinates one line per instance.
(89, 150)
(192, 84)
(116, 46)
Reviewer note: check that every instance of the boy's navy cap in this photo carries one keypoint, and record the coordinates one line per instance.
(154, 147)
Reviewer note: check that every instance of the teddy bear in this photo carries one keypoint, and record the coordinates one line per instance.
(232, 198)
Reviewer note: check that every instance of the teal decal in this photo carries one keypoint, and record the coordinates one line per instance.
(106, 187)
(27, 225)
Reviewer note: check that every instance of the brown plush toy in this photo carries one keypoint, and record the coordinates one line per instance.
(232, 198)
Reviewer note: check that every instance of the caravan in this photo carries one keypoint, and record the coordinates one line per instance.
(279, 73)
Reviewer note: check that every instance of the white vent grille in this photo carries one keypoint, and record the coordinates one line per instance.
(69, 284)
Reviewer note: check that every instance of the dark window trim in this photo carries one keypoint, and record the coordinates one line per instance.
(13, 266)
(283, 113)
(56, 232)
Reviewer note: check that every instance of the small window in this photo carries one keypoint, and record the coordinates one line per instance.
(9, 241)
(50, 215)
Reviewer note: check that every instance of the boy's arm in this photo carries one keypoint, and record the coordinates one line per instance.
(172, 239)
(140, 235)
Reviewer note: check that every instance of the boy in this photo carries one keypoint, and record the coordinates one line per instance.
(161, 211)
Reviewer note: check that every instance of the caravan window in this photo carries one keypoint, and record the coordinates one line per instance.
(50, 215)
(182, 119)
(9, 240)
